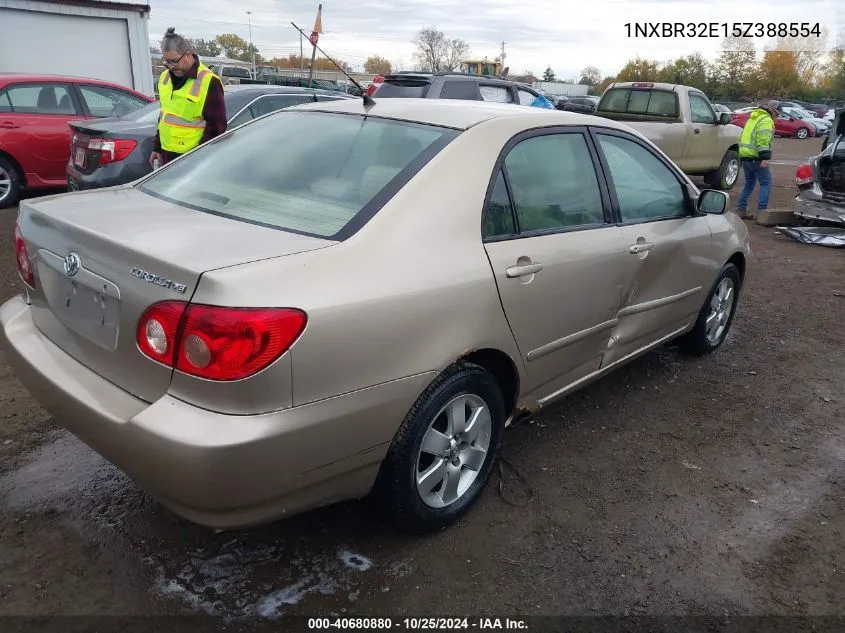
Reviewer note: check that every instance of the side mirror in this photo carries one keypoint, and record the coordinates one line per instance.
(712, 202)
(725, 118)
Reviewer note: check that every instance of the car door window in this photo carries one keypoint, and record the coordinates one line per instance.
(525, 97)
(496, 94)
(267, 104)
(645, 188)
(108, 102)
(701, 110)
(554, 183)
(41, 99)
(459, 89)
(498, 216)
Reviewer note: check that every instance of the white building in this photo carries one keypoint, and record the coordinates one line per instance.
(82, 38)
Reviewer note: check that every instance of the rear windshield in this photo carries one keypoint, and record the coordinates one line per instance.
(147, 114)
(406, 88)
(319, 174)
(638, 101)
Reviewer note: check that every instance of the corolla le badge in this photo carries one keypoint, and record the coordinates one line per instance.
(72, 264)
(158, 280)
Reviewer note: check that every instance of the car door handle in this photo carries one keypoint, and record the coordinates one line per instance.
(8, 125)
(696, 131)
(641, 247)
(527, 269)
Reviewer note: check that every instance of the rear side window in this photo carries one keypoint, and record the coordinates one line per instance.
(5, 104)
(41, 99)
(334, 173)
(554, 183)
(457, 89)
(406, 88)
(656, 102)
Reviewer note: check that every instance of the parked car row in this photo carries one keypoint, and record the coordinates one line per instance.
(35, 137)
(116, 150)
(58, 131)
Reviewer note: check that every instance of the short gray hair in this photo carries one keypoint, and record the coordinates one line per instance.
(172, 41)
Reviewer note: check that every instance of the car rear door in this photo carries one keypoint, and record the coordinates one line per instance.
(667, 243)
(560, 264)
(35, 128)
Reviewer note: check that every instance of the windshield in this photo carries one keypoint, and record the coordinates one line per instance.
(147, 114)
(313, 173)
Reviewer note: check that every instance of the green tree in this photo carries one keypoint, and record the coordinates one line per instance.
(639, 69)
(735, 69)
(549, 74)
(209, 48)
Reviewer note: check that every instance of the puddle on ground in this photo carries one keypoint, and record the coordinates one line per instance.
(248, 574)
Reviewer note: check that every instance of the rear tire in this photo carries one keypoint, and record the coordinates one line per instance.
(802, 133)
(438, 465)
(10, 184)
(716, 316)
(726, 177)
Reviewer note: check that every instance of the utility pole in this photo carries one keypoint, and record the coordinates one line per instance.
(301, 57)
(251, 48)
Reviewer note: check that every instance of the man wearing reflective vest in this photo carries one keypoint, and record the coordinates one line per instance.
(192, 107)
(755, 152)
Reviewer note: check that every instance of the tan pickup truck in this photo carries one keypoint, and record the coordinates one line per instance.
(683, 123)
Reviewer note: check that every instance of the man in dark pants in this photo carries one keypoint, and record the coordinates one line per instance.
(755, 152)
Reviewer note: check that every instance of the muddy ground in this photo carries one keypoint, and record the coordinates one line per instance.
(676, 486)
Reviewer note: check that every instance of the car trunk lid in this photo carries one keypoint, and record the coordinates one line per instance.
(102, 258)
(831, 167)
(97, 143)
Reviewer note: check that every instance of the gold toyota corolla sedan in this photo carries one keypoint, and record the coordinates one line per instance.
(347, 300)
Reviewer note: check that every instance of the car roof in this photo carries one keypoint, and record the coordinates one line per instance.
(458, 114)
(265, 88)
(8, 77)
(454, 74)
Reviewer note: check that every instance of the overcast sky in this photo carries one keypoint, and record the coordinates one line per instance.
(537, 33)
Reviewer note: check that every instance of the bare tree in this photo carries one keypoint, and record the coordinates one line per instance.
(590, 76)
(437, 53)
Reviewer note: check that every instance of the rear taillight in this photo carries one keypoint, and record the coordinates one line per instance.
(111, 150)
(24, 263)
(217, 343)
(804, 175)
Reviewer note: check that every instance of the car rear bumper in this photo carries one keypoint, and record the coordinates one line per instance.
(110, 175)
(223, 471)
(810, 206)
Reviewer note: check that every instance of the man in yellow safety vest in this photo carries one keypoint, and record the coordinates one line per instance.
(755, 152)
(192, 107)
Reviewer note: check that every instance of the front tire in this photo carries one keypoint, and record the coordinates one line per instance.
(802, 133)
(442, 457)
(716, 316)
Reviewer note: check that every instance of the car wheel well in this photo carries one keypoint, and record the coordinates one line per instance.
(503, 370)
(16, 165)
(738, 260)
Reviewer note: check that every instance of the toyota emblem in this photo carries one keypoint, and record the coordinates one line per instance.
(72, 264)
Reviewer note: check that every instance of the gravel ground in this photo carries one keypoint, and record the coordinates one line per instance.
(686, 487)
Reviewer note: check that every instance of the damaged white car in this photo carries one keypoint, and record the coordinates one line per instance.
(821, 181)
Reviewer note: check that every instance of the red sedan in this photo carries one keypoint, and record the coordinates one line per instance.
(34, 132)
(784, 126)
